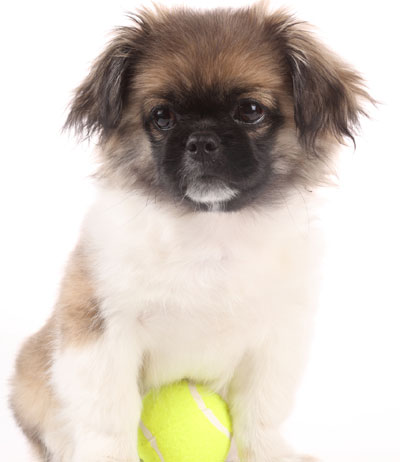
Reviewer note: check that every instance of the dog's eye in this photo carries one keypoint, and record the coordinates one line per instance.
(164, 118)
(249, 112)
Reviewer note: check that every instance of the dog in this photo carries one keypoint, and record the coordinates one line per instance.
(200, 257)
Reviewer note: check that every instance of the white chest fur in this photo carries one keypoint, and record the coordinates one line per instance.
(201, 289)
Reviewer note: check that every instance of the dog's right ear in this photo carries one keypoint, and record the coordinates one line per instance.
(98, 102)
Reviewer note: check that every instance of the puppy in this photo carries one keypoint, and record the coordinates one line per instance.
(200, 257)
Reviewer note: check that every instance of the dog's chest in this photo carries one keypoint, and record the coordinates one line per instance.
(198, 290)
(195, 266)
(203, 310)
(198, 314)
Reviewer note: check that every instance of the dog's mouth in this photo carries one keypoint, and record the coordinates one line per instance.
(210, 189)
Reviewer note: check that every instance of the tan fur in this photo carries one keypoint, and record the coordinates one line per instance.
(75, 321)
(77, 308)
(32, 400)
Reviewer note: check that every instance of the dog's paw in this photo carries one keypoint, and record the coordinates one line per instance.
(101, 454)
(296, 458)
(290, 458)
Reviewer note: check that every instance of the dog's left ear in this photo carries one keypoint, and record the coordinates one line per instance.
(328, 95)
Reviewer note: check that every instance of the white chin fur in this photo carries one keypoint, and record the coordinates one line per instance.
(210, 193)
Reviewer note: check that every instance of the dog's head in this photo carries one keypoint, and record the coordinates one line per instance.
(220, 109)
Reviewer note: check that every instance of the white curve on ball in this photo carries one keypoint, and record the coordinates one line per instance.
(151, 439)
(207, 412)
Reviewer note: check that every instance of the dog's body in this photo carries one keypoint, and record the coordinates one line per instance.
(210, 279)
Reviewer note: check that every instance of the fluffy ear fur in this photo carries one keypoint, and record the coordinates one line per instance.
(98, 102)
(327, 94)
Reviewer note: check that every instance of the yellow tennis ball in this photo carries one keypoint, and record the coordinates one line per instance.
(184, 422)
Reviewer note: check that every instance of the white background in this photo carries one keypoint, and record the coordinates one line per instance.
(348, 409)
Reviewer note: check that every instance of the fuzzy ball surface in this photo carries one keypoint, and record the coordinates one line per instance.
(184, 422)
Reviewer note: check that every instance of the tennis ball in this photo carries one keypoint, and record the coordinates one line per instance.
(183, 422)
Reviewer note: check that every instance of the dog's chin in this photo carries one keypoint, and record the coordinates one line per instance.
(210, 191)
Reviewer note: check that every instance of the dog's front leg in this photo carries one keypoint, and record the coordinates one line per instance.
(96, 384)
(261, 396)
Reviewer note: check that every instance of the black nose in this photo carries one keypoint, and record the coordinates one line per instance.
(202, 143)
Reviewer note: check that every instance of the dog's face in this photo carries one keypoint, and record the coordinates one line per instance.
(217, 110)
(213, 147)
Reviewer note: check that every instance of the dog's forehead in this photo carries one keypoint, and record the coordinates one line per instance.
(208, 59)
(228, 74)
